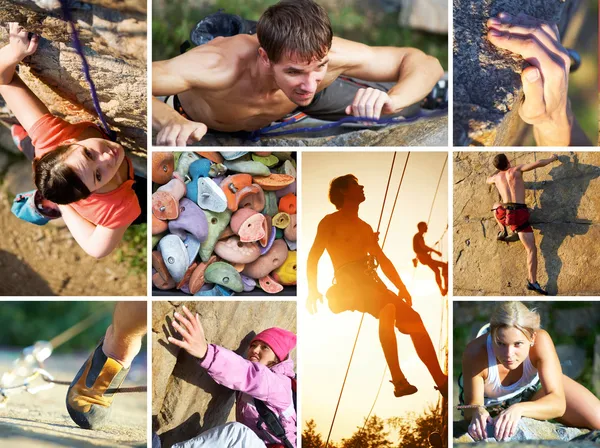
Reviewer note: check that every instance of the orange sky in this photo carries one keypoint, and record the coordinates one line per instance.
(327, 339)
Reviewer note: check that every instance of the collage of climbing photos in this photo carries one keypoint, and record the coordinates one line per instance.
(274, 224)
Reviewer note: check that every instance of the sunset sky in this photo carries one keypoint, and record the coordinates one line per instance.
(327, 338)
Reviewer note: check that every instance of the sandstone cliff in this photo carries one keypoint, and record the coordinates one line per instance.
(564, 200)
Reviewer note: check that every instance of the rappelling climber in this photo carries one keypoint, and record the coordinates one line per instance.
(423, 252)
(293, 63)
(355, 253)
(513, 212)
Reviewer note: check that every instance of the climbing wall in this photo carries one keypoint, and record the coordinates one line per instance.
(564, 200)
(185, 400)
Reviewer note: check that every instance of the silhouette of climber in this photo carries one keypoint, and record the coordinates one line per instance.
(513, 211)
(355, 254)
(423, 253)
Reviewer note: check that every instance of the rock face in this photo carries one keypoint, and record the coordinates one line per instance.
(531, 434)
(185, 400)
(528, 429)
(487, 81)
(564, 201)
(113, 34)
(424, 132)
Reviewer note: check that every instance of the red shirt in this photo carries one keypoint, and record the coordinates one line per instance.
(117, 208)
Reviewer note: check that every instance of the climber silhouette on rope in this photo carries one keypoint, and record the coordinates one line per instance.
(513, 212)
(355, 254)
(423, 252)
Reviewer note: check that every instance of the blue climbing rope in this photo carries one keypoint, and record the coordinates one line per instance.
(267, 131)
(86, 68)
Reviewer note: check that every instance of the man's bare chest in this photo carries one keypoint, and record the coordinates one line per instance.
(239, 105)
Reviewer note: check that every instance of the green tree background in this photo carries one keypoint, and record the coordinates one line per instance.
(24, 323)
(364, 22)
(413, 430)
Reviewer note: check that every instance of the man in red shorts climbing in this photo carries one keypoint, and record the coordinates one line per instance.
(513, 212)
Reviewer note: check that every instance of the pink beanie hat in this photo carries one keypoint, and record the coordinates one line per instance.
(281, 341)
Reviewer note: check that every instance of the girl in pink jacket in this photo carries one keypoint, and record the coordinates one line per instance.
(266, 376)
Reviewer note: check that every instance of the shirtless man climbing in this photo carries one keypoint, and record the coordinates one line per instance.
(355, 253)
(513, 211)
(245, 82)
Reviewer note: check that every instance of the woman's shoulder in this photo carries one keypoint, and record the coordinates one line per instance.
(542, 346)
(475, 354)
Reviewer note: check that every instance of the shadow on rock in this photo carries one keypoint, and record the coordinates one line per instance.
(19, 279)
(557, 208)
(221, 402)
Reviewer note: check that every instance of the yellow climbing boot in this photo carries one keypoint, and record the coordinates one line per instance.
(91, 393)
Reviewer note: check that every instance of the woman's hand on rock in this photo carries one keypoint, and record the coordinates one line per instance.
(190, 328)
(20, 43)
(505, 424)
(545, 81)
(478, 426)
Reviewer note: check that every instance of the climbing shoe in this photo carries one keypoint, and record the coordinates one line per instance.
(415, 261)
(18, 134)
(502, 235)
(90, 395)
(402, 388)
(536, 287)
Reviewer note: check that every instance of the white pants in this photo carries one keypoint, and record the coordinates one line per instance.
(230, 435)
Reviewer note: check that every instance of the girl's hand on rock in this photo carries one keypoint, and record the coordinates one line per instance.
(19, 41)
(546, 81)
(505, 424)
(477, 429)
(190, 328)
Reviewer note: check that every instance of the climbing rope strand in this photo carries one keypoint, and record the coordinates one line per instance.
(395, 200)
(86, 68)
(436, 190)
(386, 191)
(344, 382)
(376, 397)
(116, 390)
(268, 130)
(69, 334)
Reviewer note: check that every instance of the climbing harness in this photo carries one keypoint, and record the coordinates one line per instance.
(29, 367)
(86, 69)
